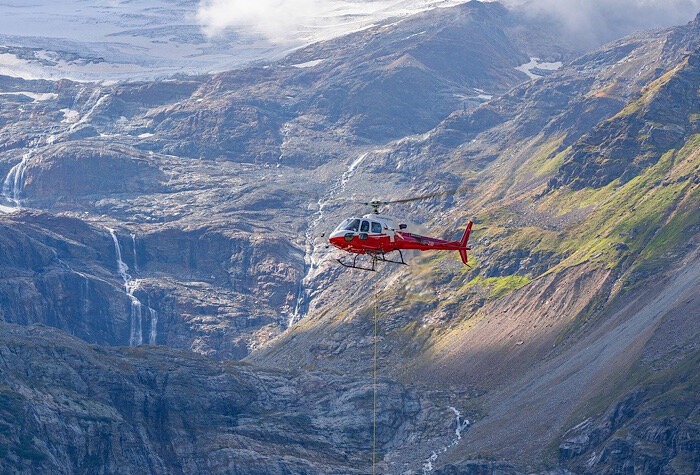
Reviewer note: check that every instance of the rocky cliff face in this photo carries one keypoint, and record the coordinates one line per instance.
(118, 288)
(69, 407)
(202, 175)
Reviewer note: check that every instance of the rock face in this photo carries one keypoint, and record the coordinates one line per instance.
(663, 118)
(68, 407)
(571, 280)
(63, 272)
(60, 279)
(638, 436)
(214, 238)
(71, 173)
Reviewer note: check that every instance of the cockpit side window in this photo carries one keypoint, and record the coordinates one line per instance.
(364, 227)
(376, 228)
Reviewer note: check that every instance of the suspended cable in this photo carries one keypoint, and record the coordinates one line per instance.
(374, 435)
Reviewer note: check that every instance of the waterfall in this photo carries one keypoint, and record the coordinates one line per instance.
(122, 268)
(461, 424)
(154, 326)
(133, 245)
(93, 102)
(14, 181)
(130, 286)
(136, 336)
(311, 261)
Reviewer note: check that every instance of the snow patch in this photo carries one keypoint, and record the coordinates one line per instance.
(479, 96)
(36, 96)
(153, 39)
(308, 64)
(70, 116)
(534, 64)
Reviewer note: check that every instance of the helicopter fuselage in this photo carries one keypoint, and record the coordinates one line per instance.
(378, 235)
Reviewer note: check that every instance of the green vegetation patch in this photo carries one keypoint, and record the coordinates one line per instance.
(546, 161)
(499, 286)
(626, 218)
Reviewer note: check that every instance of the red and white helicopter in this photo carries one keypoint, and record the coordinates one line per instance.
(376, 236)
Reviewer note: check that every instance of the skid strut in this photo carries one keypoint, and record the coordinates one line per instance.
(374, 258)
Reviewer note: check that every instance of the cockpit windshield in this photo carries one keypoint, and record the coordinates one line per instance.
(351, 224)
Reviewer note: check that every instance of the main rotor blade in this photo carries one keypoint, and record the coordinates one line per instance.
(425, 197)
(418, 198)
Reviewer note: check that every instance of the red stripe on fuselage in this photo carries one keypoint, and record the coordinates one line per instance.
(381, 243)
(377, 243)
(424, 243)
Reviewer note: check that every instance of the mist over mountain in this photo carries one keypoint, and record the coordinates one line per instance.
(602, 21)
(168, 299)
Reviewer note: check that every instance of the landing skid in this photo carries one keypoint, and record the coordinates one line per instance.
(374, 259)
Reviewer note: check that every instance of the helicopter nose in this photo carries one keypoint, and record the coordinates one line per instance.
(336, 241)
(339, 239)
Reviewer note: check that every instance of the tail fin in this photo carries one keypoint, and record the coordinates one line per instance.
(463, 242)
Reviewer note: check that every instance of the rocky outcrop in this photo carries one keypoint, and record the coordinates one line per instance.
(478, 467)
(72, 173)
(206, 289)
(68, 407)
(661, 119)
(60, 279)
(649, 431)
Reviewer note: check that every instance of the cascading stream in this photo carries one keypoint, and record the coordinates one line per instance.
(133, 246)
(14, 181)
(311, 262)
(461, 424)
(130, 286)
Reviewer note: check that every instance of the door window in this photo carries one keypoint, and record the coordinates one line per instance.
(364, 227)
(376, 228)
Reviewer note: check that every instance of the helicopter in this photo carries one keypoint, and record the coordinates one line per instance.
(377, 235)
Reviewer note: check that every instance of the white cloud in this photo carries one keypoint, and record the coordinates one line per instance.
(273, 19)
(604, 20)
(290, 21)
(299, 21)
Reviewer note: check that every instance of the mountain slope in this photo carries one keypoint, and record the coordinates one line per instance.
(69, 407)
(564, 254)
(205, 172)
(193, 206)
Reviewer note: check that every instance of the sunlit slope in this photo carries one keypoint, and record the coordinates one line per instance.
(585, 188)
(579, 266)
(558, 242)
